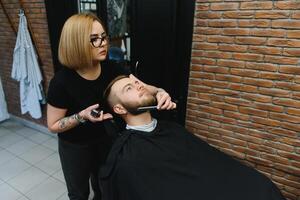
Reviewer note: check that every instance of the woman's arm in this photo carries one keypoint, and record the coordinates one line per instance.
(164, 101)
(58, 122)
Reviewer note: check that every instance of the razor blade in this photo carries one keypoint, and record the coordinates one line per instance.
(146, 108)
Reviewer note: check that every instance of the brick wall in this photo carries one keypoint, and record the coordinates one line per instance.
(36, 15)
(244, 86)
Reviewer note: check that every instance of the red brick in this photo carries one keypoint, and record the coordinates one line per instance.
(234, 153)
(251, 40)
(272, 14)
(256, 5)
(261, 148)
(238, 14)
(228, 78)
(205, 46)
(207, 31)
(196, 53)
(235, 31)
(284, 132)
(284, 42)
(268, 107)
(217, 54)
(268, 32)
(265, 50)
(199, 38)
(259, 161)
(222, 70)
(284, 117)
(222, 23)
(244, 88)
(257, 97)
(225, 92)
(244, 72)
(223, 119)
(295, 15)
(288, 86)
(291, 52)
(291, 156)
(202, 6)
(274, 92)
(224, 6)
(275, 158)
(276, 76)
(218, 84)
(224, 106)
(209, 122)
(287, 5)
(293, 111)
(247, 56)
(211, 110)
(220, 39)
(252, 111)
(262, 66)
(231, 63)
(201, 75)
(256, 23)
(199, 88)
(203, 61)
(266, 121)
(231, 47)
(218, 143)
(281, 60)
(287, 102)
(290, 126)
(258, 82)
(288, 24)
(236, 115)
(293, 33)
(237, 101)
(200, 22)
(208, 15)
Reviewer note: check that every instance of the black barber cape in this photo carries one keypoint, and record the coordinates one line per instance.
(172, 164)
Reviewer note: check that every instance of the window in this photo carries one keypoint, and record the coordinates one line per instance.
(87, 6)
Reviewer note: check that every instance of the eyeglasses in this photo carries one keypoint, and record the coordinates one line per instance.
(98, 41)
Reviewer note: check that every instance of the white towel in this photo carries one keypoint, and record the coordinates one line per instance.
(3, 107)
(26, 70)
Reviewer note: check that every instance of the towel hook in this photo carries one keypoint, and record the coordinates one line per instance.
(21, 11)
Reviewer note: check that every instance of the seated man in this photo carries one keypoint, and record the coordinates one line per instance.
(154, 160)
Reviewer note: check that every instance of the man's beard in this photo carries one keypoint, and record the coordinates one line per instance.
(132, 107)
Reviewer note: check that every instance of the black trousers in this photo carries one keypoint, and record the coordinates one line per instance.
(81, 163)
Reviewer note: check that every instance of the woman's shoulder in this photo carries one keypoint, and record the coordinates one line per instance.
(62, 75)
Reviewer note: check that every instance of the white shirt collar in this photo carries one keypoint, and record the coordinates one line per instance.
(146, 128)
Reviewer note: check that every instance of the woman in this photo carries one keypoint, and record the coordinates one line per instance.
(74, 92)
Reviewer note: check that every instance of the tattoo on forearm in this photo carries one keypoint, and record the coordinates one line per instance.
(65, 122)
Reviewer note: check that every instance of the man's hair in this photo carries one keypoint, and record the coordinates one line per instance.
(75, 50)
(110, 100)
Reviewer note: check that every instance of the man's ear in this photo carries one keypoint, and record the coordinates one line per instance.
(119, 109)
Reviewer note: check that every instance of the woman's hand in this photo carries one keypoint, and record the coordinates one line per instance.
(86, 114)
(164, 101)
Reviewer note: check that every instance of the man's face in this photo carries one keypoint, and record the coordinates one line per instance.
(132, 94)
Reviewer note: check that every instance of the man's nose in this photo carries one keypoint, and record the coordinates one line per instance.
(138, 85)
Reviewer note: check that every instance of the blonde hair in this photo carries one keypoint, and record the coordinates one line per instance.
(75, 50)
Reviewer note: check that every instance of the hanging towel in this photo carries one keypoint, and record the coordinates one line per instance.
(3, 107)
(26, 70)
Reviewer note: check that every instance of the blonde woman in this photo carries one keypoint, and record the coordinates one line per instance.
(74, 92)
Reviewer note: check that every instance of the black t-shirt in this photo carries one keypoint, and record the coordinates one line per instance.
(68, 90)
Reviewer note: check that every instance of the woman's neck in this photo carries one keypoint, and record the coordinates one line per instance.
(91, 73)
